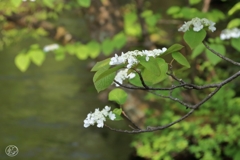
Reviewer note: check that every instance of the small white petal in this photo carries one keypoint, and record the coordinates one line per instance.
(111, 115)
(100, 124)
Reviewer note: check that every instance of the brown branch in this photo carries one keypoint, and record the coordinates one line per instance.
(129, 120)
(194, 107)
(173, 99)
(220, 55)
(206, 4)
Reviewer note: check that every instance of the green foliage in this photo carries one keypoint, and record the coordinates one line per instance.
(118, 113)
(82, 53)
(151, 19)
(34, 54)
(234, 9)
(198, 50)
(173, 48)
(84, 3)
(22, 61)
(189, 13)
(93, 49)
(193, 39)
(235, 43)
(153, 78)
(119, 40)
(37, 56)
(234, 23)
(192, 2)
(108, 72)
(101, 64)
(131, 27)
(107, 46)
(118, 95)
(205, 142)
(180, 59)
(104, 77)
(211, 133)
(104, 82)
(49, 3)
(16, 3)
(152, 65)
(212, 57)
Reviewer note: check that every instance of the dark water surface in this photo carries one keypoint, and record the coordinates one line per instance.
(42, 113)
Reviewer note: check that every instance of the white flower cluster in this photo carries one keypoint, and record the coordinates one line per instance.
(50, 47)
(198, 24)
(122, 75)
(99, 117)
(130, 58)
(230, 33)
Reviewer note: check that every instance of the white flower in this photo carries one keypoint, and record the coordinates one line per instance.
(100, 124)
(50, 47)
(185, 26)
(99, 117)
(198, 24)
(130, 57)
(230, 33)
(123, 75)
(111, 115)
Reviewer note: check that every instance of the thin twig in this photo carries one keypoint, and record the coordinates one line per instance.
(196, 106)
(127, 118)
(220, 55)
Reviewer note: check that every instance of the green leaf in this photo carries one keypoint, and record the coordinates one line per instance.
(180, 59)
(234, 23)
(59, 55)
(93, 49)
(150, 78)
(40, 31)
(235, 42)
(192, 2)
(104, 82)
(82, 52)
(37, 56)
(99, 72)
(212, 57)
(198, 50)
(136, 81)
(101, 64)
(16, 3)
(118, 95)
(109, 71)
(119, 40)
(49, 3)
(151, 20)
(107, 47)
(236, 156)
(118, 112)
(173, 48)
(84, 3)
(22, 61)
(234, 9)
(131, 25)
(151, 65)
(70, 48)
(164, 69)
(173, 10)
(193, 39)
